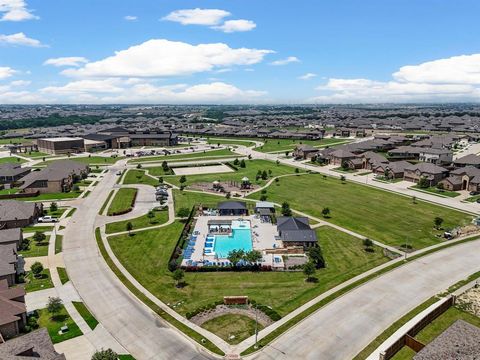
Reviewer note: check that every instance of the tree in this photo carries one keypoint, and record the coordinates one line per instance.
(297, 170)
(236, 162)
(368, 244)
(286, 211)
(53, 207)
(343, 178)
(438, 221)
(183, 212)
(36, 268)
(139, 166)
(414, 199)
(160, 180)
(325, 212)
(253, 257)
(108, 354)
(277, 162)
(39, 236)
(423, 183)
(440, 186)
(151, 215)
(183, 179)
(309, 270)
(178, 276)
(316, 257)
(249, 156)
(54, 305)
(264, 175)
(345, 165)
(287, 153)
(129, 227)
(228, 195)
(235, 256)
(263, 197)
(243, 164)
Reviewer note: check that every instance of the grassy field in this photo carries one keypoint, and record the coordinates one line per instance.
(250, 171)
(62, 274)
(278, 145)
(11, 159)
(85, 314)
(54, 323)
(92, 160)
(16, 140)
(32, 229)
(161, 217)
(239, 326)
(436, 327)
(139, 177)
(381, 215)
(122, 202)
(145, 256)
(224, 141)
(187, 155)
(35, 249)
(186, 199)
(53, 196)
(44, 281)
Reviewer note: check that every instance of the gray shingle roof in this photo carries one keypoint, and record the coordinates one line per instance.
(16, 210)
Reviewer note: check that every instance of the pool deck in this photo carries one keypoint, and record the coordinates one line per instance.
(263, 235)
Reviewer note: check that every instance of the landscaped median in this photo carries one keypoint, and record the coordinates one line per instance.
(123, 202)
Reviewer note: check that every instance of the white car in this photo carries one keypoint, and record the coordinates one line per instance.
(47, 219)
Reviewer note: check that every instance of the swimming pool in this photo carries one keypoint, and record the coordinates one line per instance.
(240, 239)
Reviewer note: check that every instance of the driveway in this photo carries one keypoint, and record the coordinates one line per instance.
(144, 334)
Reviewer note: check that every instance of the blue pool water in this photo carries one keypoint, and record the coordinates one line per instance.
(240, 239)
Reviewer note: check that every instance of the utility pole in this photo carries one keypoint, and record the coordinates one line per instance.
(256, 327)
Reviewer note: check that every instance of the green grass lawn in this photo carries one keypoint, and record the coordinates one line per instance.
(139, 177)
(250, 171)
(8, 191)
(161, 217)
(62, 274)
(32, 229)
(57, 213)
(35, 249)
(122, 202)
(435, 191)
(436, 327)
(225, 141)
(71, 212)
(35, 154)
(54, 323)
(58, 243)
(53, 196)
(16, 140)
(44, 281)
(102, 209)
(11, 159)
(86, 314)
(381, 215)
(186, 199)
(240, 326)
(145, 256)
(187, 155)
(93, 160)
(278, 145)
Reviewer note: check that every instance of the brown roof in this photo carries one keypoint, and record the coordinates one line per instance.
(16, 210)
(10, 310)
(37, 342)
(10, 169)
(56, 171)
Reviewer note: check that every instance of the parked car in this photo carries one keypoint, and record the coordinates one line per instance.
(47, 219)
(119, 173)
(472, 193)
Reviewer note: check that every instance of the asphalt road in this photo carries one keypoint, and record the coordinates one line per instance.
(134, 325)
(344, 327)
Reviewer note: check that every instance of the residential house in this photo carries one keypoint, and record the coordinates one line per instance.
(391, 170)
(464, 178)
(16, 214)
(304, 151)
(371, 159)
(231, 208)
(342, 132)
(433, 173)
(404, 153)
(59, 176)
(337, 157)
(296, 231)
(13, 313)
(436, 156)
(468, 160)
(34, 345)
(11, 173)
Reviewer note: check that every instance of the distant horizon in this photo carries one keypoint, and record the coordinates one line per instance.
(266, 53)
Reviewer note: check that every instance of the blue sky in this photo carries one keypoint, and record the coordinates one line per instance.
(246, 51)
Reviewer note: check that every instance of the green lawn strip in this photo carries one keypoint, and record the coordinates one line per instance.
(41, 228)
(224, 141)
(44, 281)
(139, 177)
(277, 145)
(187, 199)
(16, 140)
(435, 191)
(225, 326)
(57, 213)
(85, 314)
(53, 196)
(54, 323)
(250, 171)
(102, 209)
(146, 254)
(8, 191)
(122, 202)
(161, 217)
(71, 212)
(381, 215)
(35, 249)
(12, 159)
(185, 156)
(167, 317)
(125, 357)
(472, 198)
(62, 274)
(58, 243)
(93, 160)
(35, 154)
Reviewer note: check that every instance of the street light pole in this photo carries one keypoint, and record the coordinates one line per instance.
(256, 327)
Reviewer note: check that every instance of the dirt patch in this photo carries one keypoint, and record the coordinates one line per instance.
(222, 187)
(220, 310)
(470, 300)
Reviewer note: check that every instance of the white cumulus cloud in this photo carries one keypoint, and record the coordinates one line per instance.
(86, 86)
(286, 61)
(15, 10)
(161, 58)
(130, 18)
(66, 61)
(6, 72)
(307, 76)
(208, 17)
(240, 25)
(19, 39)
